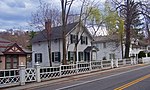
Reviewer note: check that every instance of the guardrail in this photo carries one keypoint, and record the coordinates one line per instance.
(24, 75)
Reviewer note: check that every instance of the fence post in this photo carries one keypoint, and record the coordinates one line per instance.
(131, 61)
(60, 71)
(37, 67)
(135, 62)
(22, 74)
(112, 63)
(101, 64)
(124, 61)
(142, 61)
(77, 67)
(117, 62)
(90, 66)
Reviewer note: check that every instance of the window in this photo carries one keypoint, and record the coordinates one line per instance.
(71, 55)
(112, 56)
(8, 62)
(80, 55)
(84, 40)
(104, 45)
(73, 38)
(38, 57)
(11, 61)
(55, 56)
(148, 48)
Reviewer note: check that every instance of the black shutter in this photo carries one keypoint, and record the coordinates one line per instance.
(68, 55)
(79, 56)
(75, 56)
(71, 38)
(86, 40)
(35, 57)
(40, 57)
(85, 56)
(59, 57)
(53, 56)
(81, 39)
(76, 38)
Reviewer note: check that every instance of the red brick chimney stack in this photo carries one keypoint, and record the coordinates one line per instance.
(48, 26)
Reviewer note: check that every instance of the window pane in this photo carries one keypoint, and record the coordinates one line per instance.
(104, 45)
(8, 65)
(38, 57)
(72, 56)
(15, 65)
(8, 59)
(56, 56)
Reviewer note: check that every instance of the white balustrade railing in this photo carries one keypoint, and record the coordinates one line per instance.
(49, 72)
(22, 75)
(83, 67)
(96, 65)
(121, 62)
(106, 63)
(129, 61)
(8, 77)
(30, 74)
(67, 70)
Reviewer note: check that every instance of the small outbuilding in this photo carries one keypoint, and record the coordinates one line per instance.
(12, 55)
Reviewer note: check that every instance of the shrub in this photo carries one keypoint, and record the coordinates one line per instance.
(141, 54)
(148, 54)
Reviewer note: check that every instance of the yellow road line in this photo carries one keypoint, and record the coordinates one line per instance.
(133, 82)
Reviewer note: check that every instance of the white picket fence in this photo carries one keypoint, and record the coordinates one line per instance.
(23, 75)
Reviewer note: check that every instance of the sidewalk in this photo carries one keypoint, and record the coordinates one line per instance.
(69, 78)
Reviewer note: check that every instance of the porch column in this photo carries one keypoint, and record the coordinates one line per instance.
(112, 63)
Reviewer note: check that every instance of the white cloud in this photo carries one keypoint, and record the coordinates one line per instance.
(16, 13)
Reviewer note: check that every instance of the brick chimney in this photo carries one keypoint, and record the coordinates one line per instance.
(48, 26)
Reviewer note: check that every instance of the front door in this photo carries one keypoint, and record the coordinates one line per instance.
(11, 61)
(93, 55)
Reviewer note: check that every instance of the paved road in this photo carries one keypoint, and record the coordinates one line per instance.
(132, 78)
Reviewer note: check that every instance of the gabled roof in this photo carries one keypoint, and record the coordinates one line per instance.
(89, 48)
(6, 45)
(56, 33)
(107, 38)
(3, 45)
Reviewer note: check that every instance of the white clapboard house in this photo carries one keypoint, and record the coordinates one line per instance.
(85, 52)
(109, 47)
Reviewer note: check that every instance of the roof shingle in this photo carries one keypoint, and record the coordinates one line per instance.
(56, 33)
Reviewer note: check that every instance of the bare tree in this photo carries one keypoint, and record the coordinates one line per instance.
(129, 10)
(44, 12)
(65, 7)
(45, 17)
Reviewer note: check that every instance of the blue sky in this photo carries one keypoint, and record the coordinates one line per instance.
(17, 13)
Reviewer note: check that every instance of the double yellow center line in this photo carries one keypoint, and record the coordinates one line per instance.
(133, 82)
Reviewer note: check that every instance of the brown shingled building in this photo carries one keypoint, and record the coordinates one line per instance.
(12, 55)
